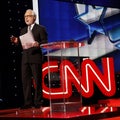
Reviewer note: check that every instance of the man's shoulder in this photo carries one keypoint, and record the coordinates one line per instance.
(39, 25)
(23, 30)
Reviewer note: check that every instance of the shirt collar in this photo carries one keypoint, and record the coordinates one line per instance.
(32, 26)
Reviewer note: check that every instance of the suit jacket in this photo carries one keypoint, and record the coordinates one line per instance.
(34, 54)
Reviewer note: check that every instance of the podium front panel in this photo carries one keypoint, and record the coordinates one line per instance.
(63, 76)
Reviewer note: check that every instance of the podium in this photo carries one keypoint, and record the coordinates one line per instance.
(62, 67)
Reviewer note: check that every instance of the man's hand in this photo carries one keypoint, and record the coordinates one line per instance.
(14, 39)
(36, 44)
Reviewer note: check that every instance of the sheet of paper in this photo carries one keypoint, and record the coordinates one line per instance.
(27, 40)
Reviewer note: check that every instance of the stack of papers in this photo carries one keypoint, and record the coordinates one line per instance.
(27, 40)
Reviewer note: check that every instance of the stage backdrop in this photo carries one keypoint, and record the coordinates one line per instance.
(97, 26)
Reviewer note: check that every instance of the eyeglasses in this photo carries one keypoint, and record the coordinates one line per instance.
(28, 16)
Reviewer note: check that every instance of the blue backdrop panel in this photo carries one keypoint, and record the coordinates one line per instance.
(60, 22)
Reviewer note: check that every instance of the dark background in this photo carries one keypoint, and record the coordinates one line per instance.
(10, 60)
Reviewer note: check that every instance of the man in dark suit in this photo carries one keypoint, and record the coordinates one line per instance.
(32, 59)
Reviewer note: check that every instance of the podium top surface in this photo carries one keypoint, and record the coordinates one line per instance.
(62, 45)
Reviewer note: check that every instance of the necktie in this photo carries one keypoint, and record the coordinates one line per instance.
(29, 28)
